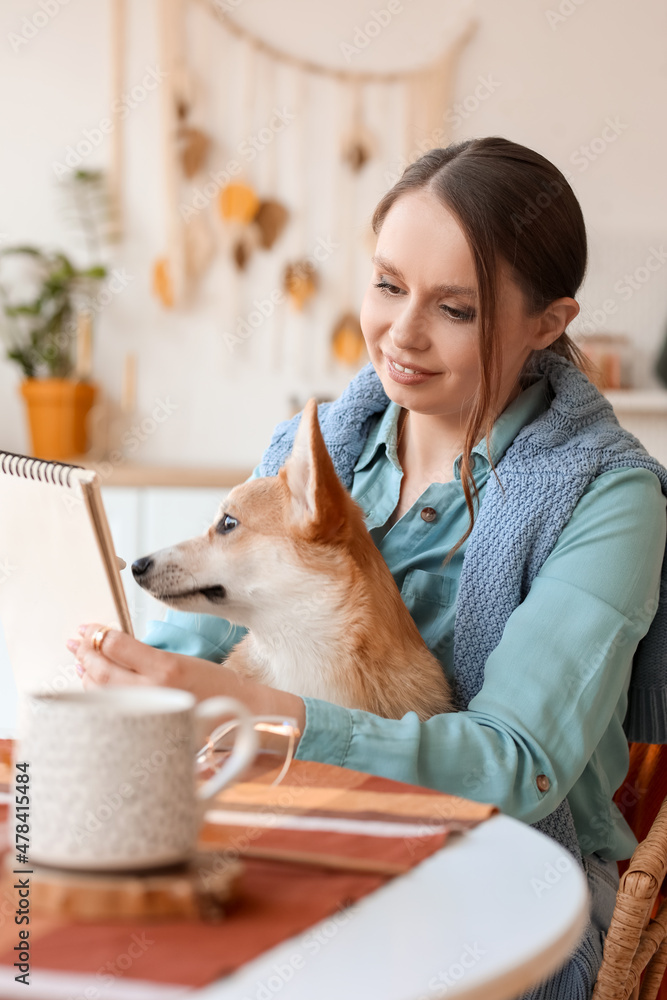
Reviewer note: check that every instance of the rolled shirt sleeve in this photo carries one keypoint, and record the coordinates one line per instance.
(204, 636)
(555, 688)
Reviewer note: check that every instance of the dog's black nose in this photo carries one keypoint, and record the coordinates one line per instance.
(141, 566)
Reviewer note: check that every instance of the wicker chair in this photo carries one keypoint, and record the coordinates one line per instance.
(635, 952)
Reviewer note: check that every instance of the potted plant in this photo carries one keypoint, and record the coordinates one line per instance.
(46, 312)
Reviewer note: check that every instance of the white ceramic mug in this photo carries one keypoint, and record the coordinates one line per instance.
(112, 774)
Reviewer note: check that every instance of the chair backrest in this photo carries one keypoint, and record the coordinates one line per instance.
(644, 790)
(636, 943)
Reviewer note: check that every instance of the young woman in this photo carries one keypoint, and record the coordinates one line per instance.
(525, 529)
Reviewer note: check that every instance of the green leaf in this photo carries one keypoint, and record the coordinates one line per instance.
(24, 360)
(99, 271)
(25, 309)
(40, 324)
(33, 251)
(87, 175)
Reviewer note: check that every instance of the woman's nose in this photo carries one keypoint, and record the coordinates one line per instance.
(411, 331)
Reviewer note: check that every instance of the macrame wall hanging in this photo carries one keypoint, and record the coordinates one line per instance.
(357, 145)
(118, 30)
(250, 217)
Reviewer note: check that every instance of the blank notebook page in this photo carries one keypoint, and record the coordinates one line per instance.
(57, 570)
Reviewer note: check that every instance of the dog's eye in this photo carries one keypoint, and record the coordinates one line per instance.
(225, 524)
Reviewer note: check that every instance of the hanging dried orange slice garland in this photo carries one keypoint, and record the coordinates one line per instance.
(194, 147)
(187, 149)
(238, 203)
(357, 147)
(300, 282)
(271, 219)
(347, 340)
(254, 222)
(163, 286)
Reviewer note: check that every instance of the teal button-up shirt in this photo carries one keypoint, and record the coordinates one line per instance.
(555, 688)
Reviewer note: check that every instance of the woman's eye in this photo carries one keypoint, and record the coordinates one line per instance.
(225, 524)
(386, 288)
(459, 315)
(456, 315)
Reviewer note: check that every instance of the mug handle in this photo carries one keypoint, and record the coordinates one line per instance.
(245, 745)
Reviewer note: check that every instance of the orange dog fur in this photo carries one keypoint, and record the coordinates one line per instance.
(289, 557)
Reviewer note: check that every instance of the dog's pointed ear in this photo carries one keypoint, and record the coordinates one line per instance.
(318, 497)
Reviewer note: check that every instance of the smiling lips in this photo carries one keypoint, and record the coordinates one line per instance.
(406, 376)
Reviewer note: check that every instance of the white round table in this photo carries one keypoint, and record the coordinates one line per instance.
(494, 912)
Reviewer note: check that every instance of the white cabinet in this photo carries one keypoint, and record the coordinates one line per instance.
(122, 506)
(170, 515)
(144, 519)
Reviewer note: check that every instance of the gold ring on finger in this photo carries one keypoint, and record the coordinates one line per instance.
(98, 637)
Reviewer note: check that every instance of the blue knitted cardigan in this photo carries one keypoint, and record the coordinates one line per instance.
(544, 472)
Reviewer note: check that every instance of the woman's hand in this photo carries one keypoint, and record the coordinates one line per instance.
(125, 660)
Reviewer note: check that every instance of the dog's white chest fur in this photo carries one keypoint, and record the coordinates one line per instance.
(297, 643)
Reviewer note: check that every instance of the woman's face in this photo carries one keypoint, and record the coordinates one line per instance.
(420, 311)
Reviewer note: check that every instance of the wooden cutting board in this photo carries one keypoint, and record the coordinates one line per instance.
(197, 890)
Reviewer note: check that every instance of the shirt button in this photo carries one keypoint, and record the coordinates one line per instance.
(429, 514)
(543, 783)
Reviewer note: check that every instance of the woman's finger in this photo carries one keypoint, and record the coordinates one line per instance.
(122, 650)
(98, 671)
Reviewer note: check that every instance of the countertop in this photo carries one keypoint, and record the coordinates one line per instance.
(129, 474)
(132, 474)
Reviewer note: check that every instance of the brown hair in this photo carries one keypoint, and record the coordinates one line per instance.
(511, 203)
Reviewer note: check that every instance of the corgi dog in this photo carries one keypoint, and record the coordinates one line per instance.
(290, 558)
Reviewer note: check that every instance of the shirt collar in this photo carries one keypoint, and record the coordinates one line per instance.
(385, 433)
(533, 400)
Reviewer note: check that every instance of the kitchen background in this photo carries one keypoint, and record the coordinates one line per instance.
(582, 81)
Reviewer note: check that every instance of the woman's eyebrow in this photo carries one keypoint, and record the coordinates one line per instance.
(387, 267)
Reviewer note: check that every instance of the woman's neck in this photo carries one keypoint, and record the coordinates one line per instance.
(428, 446)
(429, 443)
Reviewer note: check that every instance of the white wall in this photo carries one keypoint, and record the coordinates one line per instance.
(555, 86)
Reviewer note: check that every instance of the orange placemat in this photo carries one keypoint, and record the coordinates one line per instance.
(276, 900)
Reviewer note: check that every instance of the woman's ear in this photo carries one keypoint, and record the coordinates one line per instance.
(553, 322)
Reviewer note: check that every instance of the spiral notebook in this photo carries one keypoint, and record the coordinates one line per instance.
(58, 569)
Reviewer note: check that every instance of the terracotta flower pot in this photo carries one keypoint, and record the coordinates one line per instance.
(57, 411)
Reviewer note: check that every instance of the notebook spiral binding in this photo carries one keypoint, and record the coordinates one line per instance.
(58, 473)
